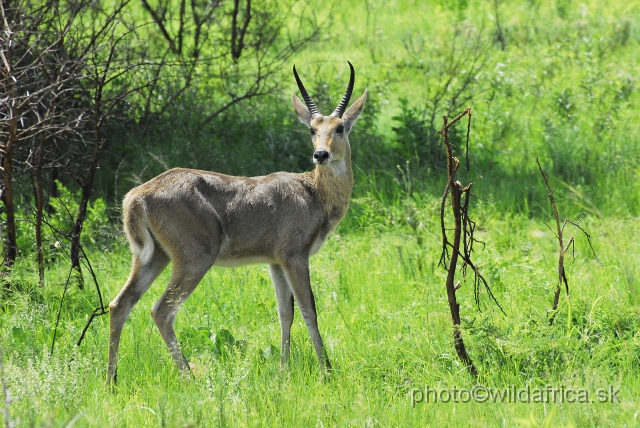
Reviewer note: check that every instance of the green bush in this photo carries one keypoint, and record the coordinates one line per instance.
(97, 232)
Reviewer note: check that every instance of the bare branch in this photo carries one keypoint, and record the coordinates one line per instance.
(577, 224)
(562, 249)
(454, 187)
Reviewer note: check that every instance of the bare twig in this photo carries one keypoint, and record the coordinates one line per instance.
(467, 225)
(577, 225)
(96, 313)
(55, 328)
(562, 249)
(463, 232)
(101, 309)
(562, 277)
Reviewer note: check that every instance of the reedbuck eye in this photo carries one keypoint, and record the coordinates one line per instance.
(340, 129)
(313, 131)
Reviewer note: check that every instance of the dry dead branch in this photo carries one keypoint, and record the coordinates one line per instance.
(464, 228)
(562, 249)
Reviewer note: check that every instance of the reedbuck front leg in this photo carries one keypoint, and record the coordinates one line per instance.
(297, 274)
(284, 296)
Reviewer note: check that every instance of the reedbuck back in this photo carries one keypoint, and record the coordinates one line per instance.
(199, 219)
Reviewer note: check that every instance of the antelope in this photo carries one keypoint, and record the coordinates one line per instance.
(199, 219)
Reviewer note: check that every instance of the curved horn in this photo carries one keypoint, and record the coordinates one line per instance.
(307, 99)
(339, 111)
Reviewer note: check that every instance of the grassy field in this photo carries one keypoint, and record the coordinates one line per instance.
(564, 88)
(384, 316)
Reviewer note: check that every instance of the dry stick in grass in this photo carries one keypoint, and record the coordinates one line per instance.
(463, 232)
(562, 277)
(455, 188)
(562, 249)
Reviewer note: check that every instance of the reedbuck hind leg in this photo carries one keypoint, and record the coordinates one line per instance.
(184, 279)
(140, 279)
(284, 296)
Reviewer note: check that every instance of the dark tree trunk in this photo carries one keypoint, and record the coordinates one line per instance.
(39, 210)
(8, 196)
(87, 188)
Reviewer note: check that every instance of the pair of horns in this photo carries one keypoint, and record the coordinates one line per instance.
(339, 111)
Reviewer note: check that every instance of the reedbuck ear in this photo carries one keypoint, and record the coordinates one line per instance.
(301, 110)
(354, 111)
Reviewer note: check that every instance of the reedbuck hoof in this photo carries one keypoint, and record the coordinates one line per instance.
(112, 382)
(327, 370)
(195, 371)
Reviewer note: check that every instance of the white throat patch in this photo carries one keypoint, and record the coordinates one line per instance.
(339, 167)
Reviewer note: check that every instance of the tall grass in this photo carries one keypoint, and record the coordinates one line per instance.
(564, 88)
(383, 312)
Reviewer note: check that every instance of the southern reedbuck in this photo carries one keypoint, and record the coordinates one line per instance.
(200, 219)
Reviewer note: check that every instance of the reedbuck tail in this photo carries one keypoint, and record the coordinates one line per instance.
(137, 228)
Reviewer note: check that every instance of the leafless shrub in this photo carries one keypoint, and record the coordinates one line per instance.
(463, 239)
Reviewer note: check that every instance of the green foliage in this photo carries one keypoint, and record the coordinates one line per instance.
(416, 141)
(197, 342)
(58, 222)
(564, 89)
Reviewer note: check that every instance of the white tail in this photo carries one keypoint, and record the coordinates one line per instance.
(137, 229)
(200, 219)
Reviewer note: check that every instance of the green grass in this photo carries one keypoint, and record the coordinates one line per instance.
(384, 316)
(565, 89)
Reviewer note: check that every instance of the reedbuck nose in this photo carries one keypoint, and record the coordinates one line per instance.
(321, 156)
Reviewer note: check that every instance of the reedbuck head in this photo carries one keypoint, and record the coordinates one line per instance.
(329, 133)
